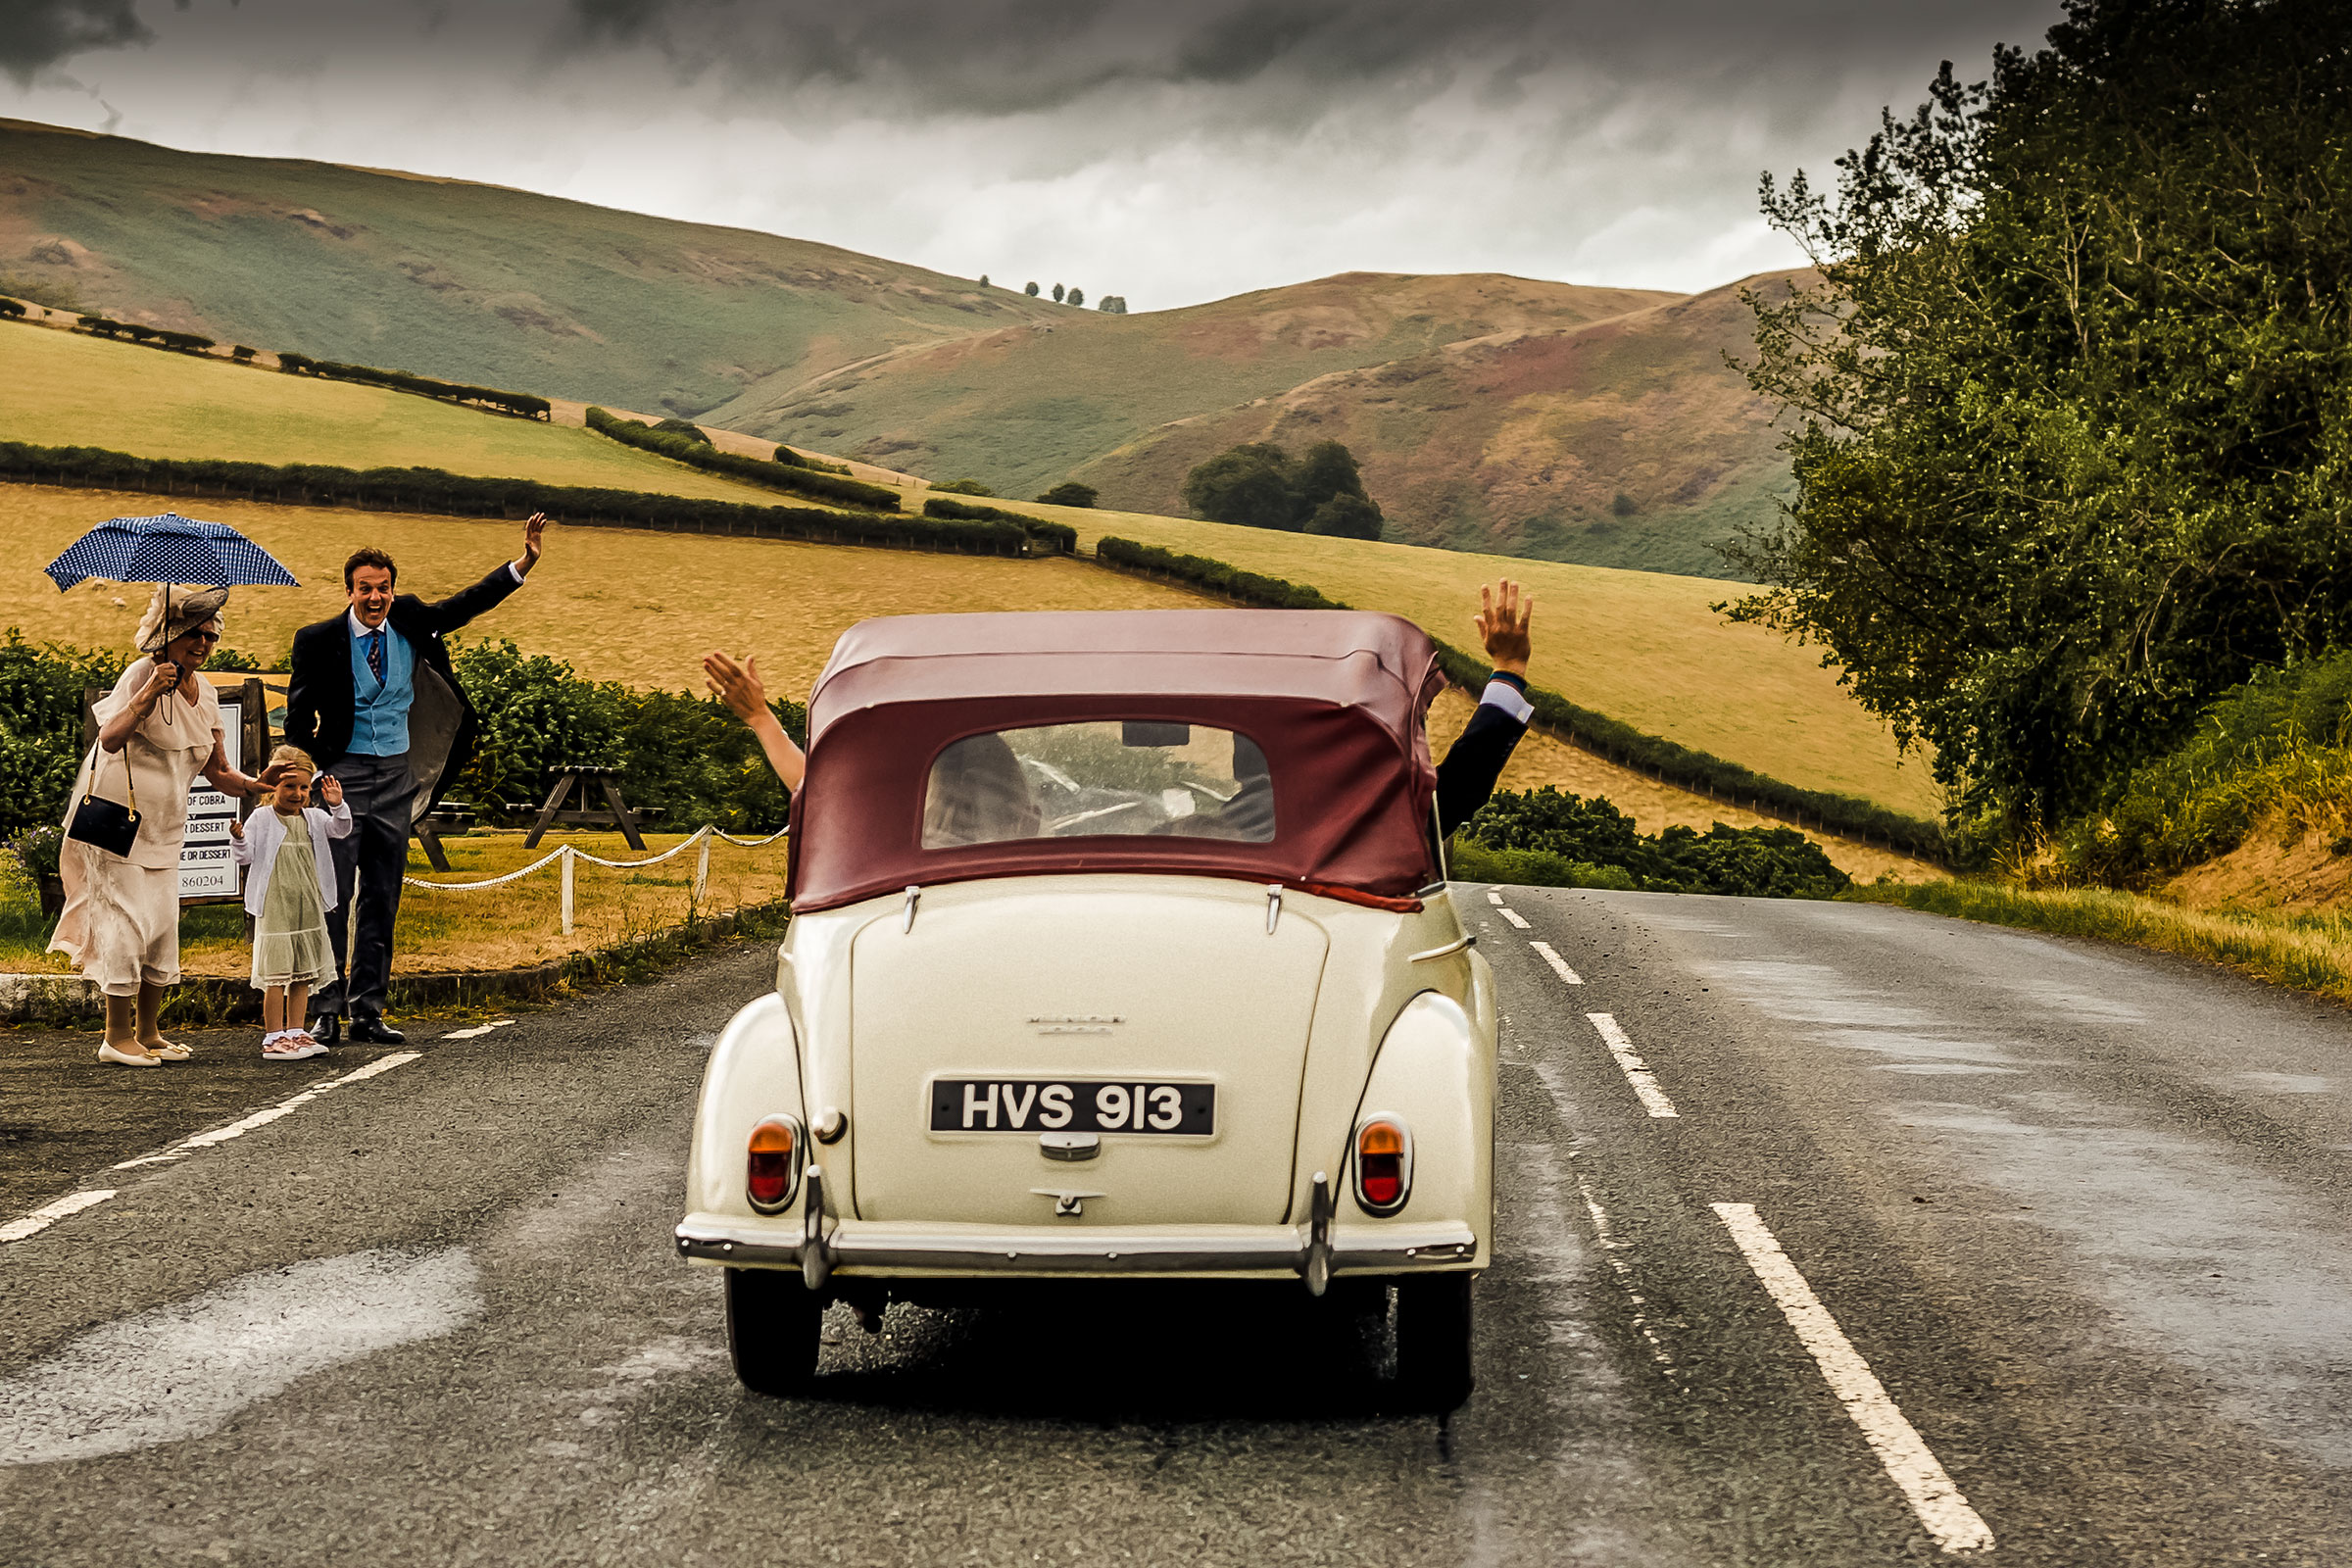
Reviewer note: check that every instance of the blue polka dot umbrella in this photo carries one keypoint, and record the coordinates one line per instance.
(168, 549)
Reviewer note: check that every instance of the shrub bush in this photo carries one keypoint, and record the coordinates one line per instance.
(40, 725)
(684, 429)
(521, 404)
(1070, 493)
(1059, 538)
(964, 487)
(1776, 862)
(12, 307)
(775, 476)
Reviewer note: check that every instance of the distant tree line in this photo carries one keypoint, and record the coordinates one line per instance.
(134, 332)
(521, 404)
(434, 490)
(1610, 737)
(1258, 486)
(788, 471)
(1113, 304)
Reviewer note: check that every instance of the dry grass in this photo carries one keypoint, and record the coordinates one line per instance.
(620, 603)
(509, 927)
(1638, 646)
(1653, 807)
(66, 389)
(2310, 953)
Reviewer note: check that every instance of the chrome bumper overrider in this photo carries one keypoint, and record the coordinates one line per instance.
(857, 1246)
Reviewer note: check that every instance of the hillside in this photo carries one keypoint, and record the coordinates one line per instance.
(447, 278)
(1625, 442)
(1492, 413)
(1024, 406)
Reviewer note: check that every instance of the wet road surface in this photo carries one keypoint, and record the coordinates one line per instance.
(1828, 1234)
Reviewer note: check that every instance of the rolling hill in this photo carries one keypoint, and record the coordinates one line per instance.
(1492, 413)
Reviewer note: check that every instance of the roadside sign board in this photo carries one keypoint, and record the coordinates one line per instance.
(207, 866)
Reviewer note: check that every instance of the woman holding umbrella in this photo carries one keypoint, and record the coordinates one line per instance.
(157, 730)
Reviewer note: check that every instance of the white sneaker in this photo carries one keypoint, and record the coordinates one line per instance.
(305, 1046)
(125, 1059)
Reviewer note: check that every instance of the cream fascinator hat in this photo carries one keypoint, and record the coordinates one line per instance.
(172, 616)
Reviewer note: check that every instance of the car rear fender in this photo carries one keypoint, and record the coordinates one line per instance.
(1435, 1072)
(754, 1072)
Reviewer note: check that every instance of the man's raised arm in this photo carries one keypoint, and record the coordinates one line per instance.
(448, 614)
(1467, 779)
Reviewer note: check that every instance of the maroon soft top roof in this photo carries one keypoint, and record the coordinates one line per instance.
(1335, 699)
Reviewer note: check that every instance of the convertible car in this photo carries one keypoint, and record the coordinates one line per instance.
(1120, 947)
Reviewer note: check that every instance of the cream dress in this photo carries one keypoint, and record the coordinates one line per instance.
(120, 924)
(289, 935)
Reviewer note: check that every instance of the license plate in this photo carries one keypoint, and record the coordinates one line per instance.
(1071, 1104)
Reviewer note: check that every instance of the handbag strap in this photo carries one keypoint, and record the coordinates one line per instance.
(130, 782)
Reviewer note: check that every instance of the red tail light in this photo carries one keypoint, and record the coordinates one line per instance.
(772, 1164)
(1383, 1165)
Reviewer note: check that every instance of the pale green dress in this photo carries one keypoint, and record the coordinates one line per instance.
(289, 937)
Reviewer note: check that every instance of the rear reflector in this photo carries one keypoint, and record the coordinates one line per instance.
(772, 1164)
(1383, 1165)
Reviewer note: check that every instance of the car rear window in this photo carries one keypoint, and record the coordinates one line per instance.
(1115, 777)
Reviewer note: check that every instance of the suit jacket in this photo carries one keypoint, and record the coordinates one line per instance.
(1475, 761)
(320, 699)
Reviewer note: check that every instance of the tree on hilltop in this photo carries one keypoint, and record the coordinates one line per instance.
(1114, 305)
(1031, 289)
(1058, 293)
(1077, 296)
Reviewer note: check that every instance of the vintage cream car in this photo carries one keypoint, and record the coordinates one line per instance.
(1120, 947)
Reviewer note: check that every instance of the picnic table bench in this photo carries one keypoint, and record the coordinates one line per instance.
(580, 778)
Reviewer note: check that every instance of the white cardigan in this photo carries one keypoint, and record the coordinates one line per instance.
(266, 830)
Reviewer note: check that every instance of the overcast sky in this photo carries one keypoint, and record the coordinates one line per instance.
(1171, 152)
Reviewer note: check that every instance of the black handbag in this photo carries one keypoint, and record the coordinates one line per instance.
(106, 824)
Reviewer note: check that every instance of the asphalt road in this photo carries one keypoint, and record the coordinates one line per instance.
(2062, 1248)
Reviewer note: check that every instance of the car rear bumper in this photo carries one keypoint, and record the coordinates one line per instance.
(1174, 1251)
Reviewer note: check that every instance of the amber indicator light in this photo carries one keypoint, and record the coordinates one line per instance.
(1380, 1166)
(768, 1166)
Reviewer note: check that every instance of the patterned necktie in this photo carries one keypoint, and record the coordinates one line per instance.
(375, 653)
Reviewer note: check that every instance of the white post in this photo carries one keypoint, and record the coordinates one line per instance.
(702, 867)
(568, 890)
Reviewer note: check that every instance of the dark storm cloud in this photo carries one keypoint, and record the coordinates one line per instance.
(39, 34)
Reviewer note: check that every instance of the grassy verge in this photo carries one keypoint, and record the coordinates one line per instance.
(2309, 953)
(617, 912)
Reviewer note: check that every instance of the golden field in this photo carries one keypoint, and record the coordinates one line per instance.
(620, 604)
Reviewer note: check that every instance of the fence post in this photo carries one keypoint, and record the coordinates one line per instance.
(701, 868)
(568, 890)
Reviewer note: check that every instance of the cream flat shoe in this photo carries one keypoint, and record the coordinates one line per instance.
(126, 1059)
(170, 1051)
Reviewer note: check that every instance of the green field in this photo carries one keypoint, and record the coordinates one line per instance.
(1638, 646)
(66, 389)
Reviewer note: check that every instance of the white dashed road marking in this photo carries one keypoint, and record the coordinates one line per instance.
(1518, 921)
(40, 1219)
(1955, 1526)
(1646, 1087)
(1559, 965)
(477, 1031)
(48, 1214)
(1494, 897)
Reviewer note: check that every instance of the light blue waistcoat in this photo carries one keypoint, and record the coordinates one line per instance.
(380, 718)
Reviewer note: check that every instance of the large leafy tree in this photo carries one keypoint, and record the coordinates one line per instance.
(1261, 486)
(2071, 393)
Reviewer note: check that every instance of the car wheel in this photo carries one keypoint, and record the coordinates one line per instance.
(773, 1327)
(1432, 1343)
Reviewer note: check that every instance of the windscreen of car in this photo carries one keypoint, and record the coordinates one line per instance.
(1109, 777)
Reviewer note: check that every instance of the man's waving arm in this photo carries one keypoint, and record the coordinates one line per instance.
(1467, 779)
(448, 614)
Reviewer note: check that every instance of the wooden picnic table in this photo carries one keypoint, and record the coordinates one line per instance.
(614, 812)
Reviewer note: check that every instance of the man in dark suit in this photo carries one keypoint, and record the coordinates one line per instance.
(375, 701)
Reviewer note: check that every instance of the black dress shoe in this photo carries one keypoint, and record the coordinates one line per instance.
(375, 1032)
(327, 1028)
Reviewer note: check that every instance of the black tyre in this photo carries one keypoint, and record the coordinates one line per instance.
(1432, 1343)
(773, 1327)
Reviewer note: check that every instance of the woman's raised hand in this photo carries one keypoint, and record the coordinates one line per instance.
(736, 685)
(160, 681)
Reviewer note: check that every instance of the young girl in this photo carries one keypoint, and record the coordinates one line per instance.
(291, 887)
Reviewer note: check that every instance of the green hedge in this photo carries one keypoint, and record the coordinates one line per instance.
(521, 404)
(12, 307)
(133, 332)
(776, 475)
(465, 496)
(1059, 536)
(1619, 742)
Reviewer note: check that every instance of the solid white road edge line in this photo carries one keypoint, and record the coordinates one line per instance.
(1518, 921)
(48, 1214)
(1559, 965)
(1629, 1061)
(1910, 1464)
